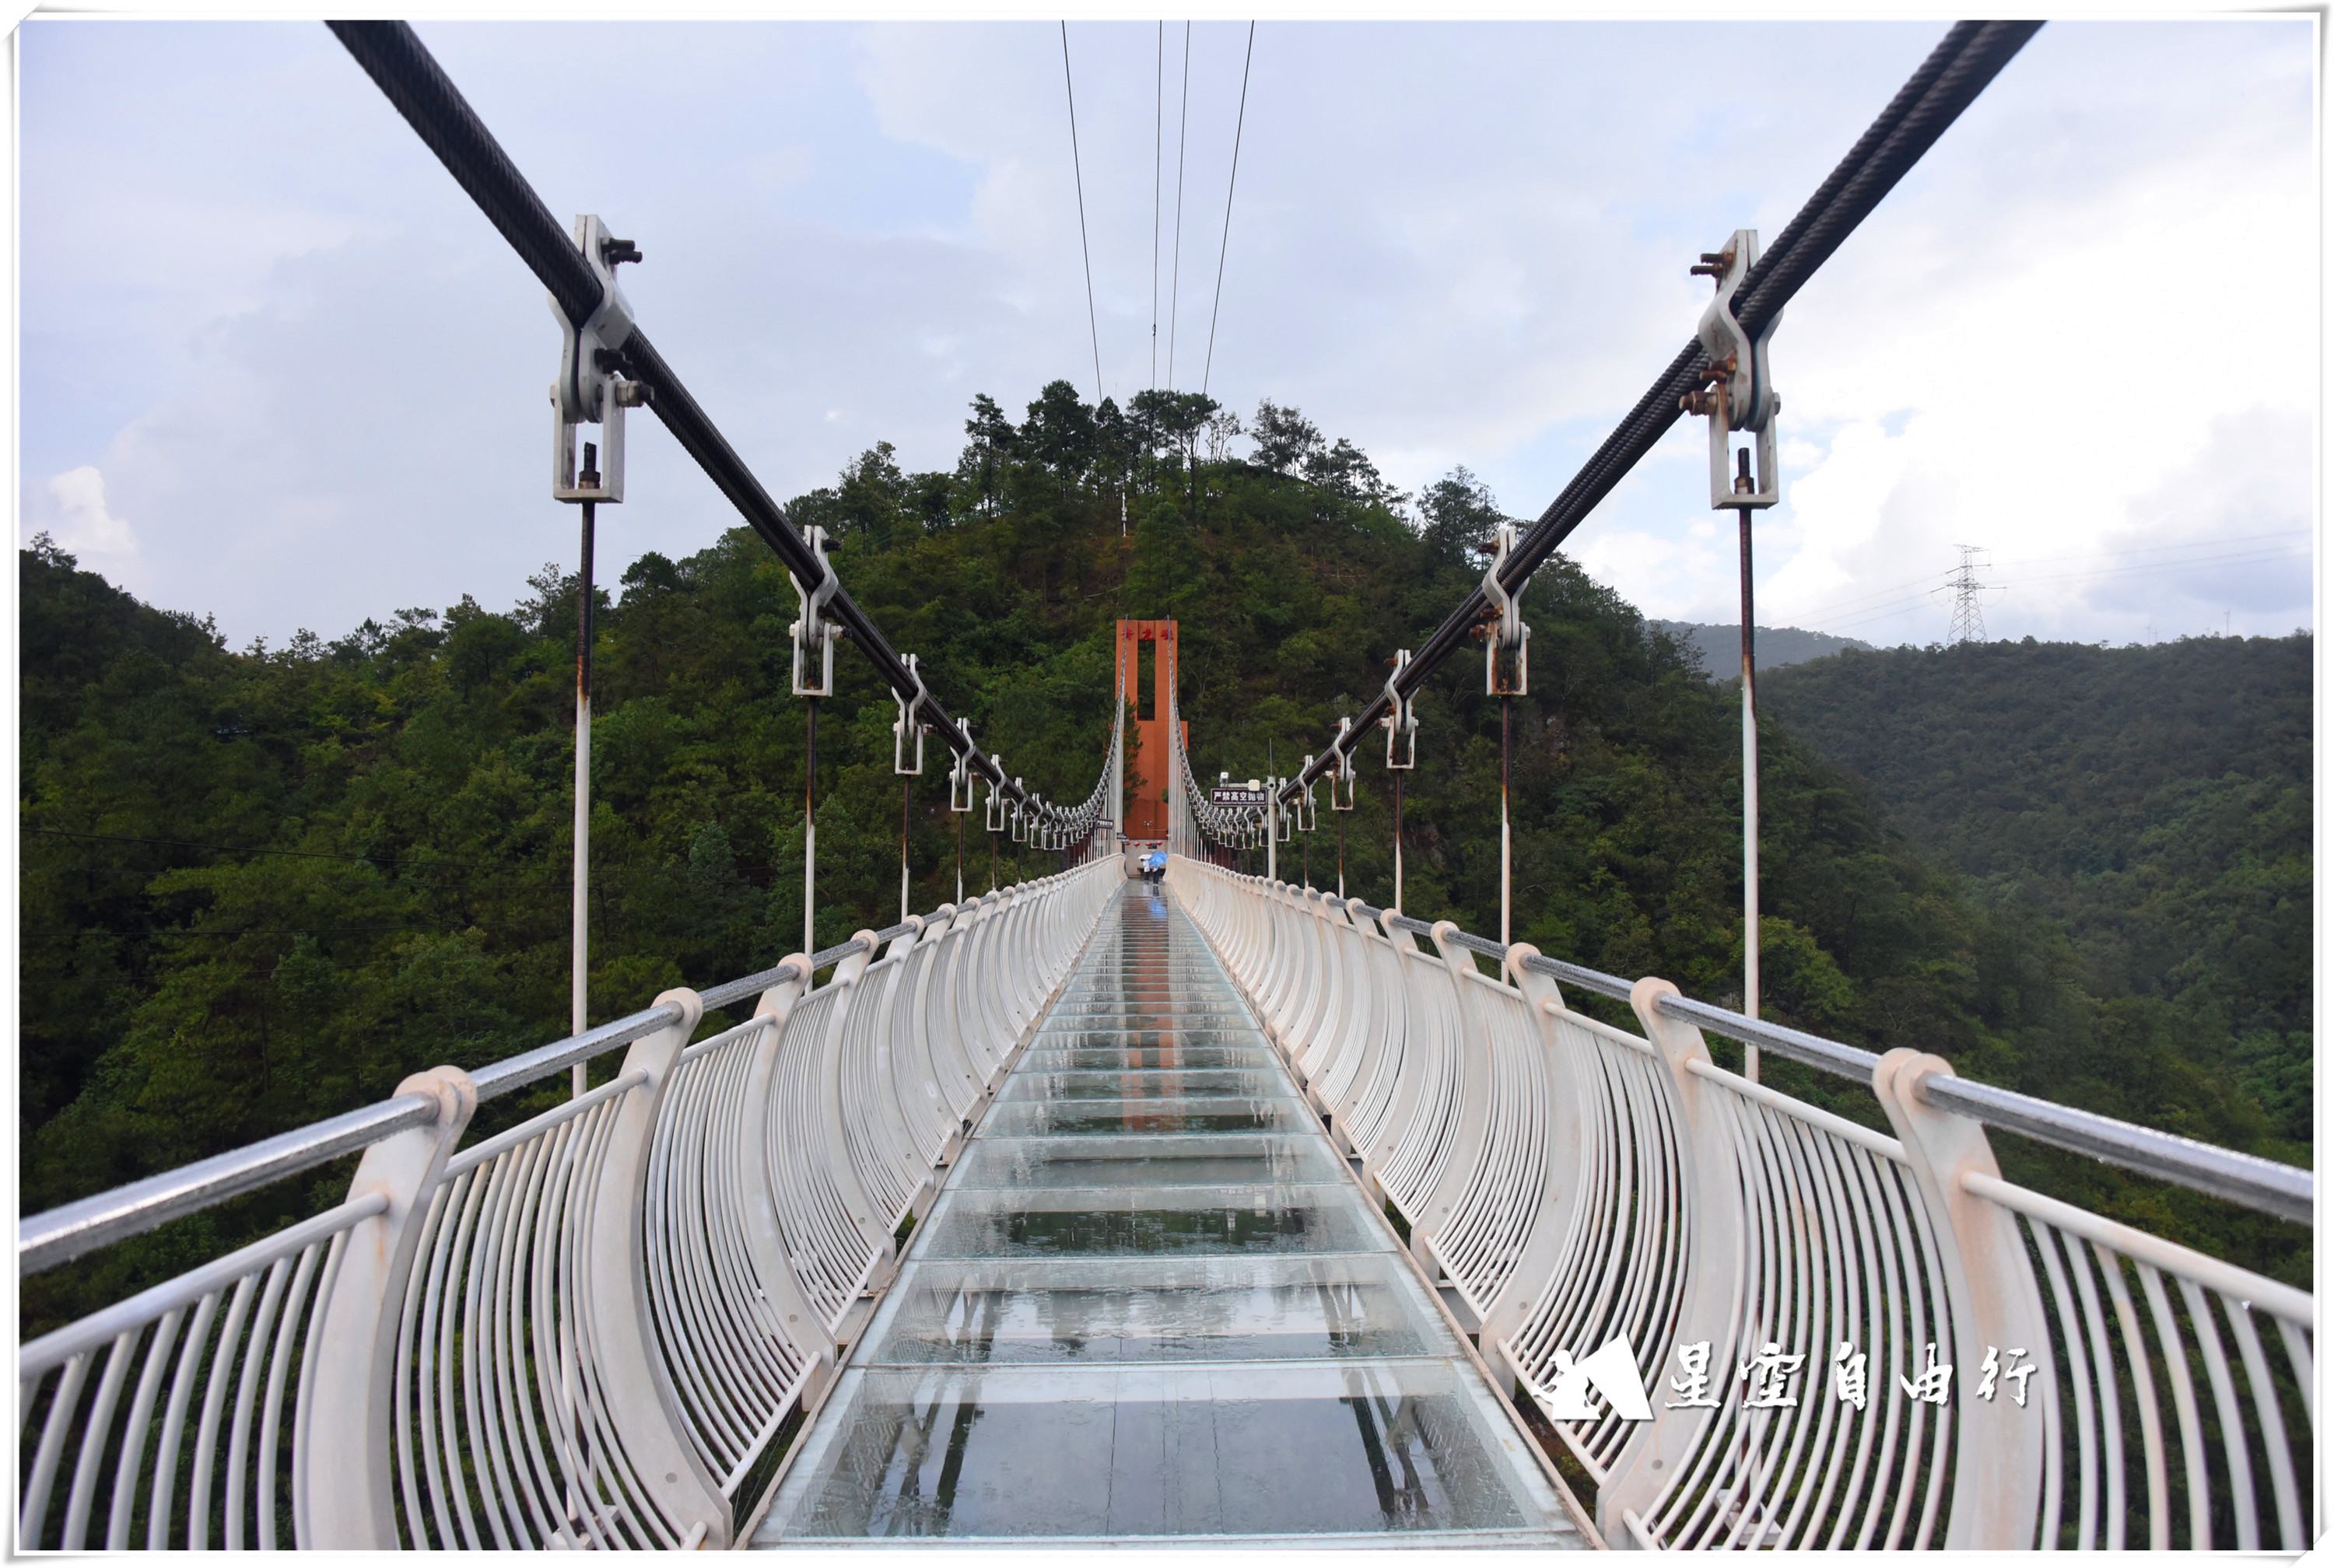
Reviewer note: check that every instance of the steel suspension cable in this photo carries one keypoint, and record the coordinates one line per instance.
(410, 77)
(1971, 54)
(1183, 141)
(1238, 125)
(1158, 152)
(1079, 174)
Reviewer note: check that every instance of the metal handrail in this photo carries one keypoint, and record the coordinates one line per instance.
(64, 1233)
(1847, 1060)
(519, 1072)
(2286, 1191)
(737, 990)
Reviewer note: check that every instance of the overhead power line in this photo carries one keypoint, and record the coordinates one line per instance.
(1079, 175)
(1241, 124)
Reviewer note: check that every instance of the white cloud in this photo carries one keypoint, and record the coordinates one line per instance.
(82, 526)
(2076, 327)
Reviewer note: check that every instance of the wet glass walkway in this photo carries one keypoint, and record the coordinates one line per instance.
(1151, 1303)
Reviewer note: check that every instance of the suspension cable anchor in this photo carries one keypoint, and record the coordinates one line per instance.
(589, 390)
(814, 635)
(1739, 388)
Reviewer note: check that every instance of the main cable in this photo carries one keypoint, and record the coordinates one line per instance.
(1971, 54)
(1182, 141)
(1238, 125)
(1158, 152)
(1076, 173)
(419, 89)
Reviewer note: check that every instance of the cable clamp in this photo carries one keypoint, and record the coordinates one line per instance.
(908, 723)
(961, 774)
(1737, 390)
(1401, 722)
(995, 815)
(1342, 748)
(814, 635)
(1308, 814)
(589, 391)
(1506, 640)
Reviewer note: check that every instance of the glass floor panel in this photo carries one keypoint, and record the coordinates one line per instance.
(1086, 1311)
(1143, 1083)
(1149, 1302)
(1085, 1034)
(1053, 1058)
(1152, 1159)
(1122, 1116)
(1112, 1221)
(1389, 1448)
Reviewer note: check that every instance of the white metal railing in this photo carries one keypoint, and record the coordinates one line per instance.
(1843, 1338)
(586, 1331)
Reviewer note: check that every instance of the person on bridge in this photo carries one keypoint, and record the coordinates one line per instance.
(1154, 866)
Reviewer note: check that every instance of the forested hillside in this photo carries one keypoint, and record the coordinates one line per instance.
(260, 886)
(2154, 802)
(1720, 646)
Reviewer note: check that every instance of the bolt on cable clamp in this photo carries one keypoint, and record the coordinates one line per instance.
(814, 635)
(589, 391)
(1401, 722)
(1506, 640)
(907, 724)
(961, 774)
(1738, 387)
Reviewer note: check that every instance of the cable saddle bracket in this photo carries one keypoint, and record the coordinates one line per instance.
(908, 723)
(1506, 640)
(1737, 390)
(1309, 814)
(589, 391)
(814, 634)
(961, 774)
(1401, 722)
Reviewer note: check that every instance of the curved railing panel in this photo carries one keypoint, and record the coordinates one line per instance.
(586, 1331)
(1822, 1337)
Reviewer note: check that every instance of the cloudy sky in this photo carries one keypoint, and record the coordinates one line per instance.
(275, 367)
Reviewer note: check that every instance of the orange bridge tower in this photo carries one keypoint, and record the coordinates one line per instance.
(1146, 683)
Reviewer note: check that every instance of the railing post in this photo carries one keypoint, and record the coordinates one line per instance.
(843, 1171)
(641, 1403)
(1999, 1447)
(1562, 1146)
(343, 1491)
(1468, 1134)
(766, 1239)
(1709, 1307)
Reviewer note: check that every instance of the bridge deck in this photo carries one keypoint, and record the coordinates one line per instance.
(1151, 1303)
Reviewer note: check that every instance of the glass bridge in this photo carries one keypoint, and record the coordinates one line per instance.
(1150, 1302)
